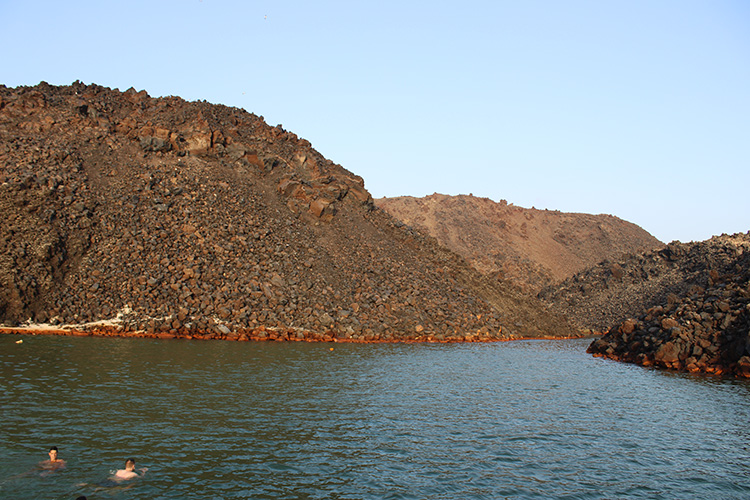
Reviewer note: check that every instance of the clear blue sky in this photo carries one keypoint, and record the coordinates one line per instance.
(640, 109)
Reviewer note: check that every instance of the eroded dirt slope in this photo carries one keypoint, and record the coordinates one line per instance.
(533, 248)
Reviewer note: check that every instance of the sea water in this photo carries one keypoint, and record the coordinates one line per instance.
(228, 420)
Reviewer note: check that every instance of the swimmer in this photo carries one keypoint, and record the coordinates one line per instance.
(129, 471)
(54, 462)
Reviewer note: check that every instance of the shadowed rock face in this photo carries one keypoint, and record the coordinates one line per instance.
(616, 290)
(189, 218)
(532, 248)
(704, 329)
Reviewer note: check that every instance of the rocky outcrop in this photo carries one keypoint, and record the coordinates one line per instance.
(615, 290)
(706, 329)
(190, 219)
(533, 248)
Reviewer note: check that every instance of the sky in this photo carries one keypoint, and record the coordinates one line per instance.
(639, 109)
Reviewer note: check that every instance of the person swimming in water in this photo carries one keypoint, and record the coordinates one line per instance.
(54, 461)
(46, 467)
(118, 480)
(129, 471)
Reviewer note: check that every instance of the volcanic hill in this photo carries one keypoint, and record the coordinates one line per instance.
(190, 219)
(688, 306)
(533, 248)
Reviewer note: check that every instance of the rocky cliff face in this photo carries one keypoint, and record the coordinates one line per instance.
(616, 290)
(192, 219)
(705, 328)
(533, 248)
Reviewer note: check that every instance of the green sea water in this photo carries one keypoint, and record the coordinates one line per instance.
(226, 420)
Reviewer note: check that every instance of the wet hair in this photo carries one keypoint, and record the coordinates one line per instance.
(53, 448)
(130, 460)
(81, 498)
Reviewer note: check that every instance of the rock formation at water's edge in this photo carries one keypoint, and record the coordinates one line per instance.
(134, 215)
(615, 290)
(703, 325)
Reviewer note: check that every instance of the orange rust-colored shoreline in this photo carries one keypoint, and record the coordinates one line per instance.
(720, 370)
(262, 335)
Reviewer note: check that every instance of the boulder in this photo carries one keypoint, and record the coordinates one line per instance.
(667, 354)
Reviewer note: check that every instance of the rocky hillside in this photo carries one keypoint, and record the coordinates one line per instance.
(191, 219)
(533, 248)
(616, 290)
(703, 329)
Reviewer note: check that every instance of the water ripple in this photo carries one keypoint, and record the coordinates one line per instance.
(536, 419)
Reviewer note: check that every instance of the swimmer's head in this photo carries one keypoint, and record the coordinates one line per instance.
(130, 463)
(53, 453)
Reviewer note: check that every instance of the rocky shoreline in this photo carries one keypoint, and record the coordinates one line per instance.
(613, 291)
(199, 219)
(705, 330)
(268, 334)
(188, 220)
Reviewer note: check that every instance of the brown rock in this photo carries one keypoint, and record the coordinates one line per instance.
(198, 143)
(325, 319)
(319, 207)
(743, 367)
(628, 326)
(287, 187)
(668, 323)
(168, 205)
(667, 354)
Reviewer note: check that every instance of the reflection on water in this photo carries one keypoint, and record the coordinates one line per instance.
(531, 419)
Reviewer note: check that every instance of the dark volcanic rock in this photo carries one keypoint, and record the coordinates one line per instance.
(613, 291)
(703, 330)
(192, 219)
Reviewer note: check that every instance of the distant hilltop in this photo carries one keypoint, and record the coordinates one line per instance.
(134, 215)
(532, 248)
(682, 306)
